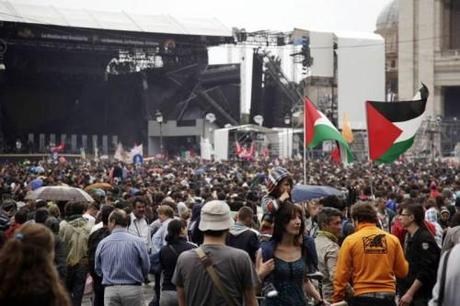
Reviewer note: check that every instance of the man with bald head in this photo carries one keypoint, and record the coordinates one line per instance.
(123, 263)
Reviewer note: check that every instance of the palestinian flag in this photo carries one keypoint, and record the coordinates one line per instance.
(318, 128)
(391, 126)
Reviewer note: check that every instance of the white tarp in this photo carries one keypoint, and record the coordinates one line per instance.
(322, 52)
(221, 144)
(361, 77)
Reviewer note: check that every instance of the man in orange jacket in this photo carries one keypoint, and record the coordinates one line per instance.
(370, 260)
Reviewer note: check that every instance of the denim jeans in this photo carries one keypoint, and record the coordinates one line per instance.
(75, 283)
(156, 289)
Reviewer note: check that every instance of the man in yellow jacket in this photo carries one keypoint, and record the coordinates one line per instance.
(370, 260)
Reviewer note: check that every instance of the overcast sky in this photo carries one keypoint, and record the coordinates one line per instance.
(323, 15)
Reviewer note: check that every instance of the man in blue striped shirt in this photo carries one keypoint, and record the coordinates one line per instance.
(123, 263)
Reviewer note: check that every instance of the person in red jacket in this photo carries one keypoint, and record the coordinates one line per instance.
(19, 219)
(398, 230)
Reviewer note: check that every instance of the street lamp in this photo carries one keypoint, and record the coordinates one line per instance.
(258, 119)
(287, 122)
(159, 119)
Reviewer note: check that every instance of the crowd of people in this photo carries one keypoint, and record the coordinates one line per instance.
(229, 233)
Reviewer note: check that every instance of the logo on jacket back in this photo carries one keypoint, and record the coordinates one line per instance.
(375, 244)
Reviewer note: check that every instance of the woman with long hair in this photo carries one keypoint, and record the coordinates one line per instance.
(27, 272)
(177, 243)
(288, 266)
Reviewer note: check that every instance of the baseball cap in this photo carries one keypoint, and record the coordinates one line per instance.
(215, 216)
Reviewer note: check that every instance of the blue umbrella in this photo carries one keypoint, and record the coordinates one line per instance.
(133, 191)
(302, 193)
(98, 191)
(36, 183)
(200, 171)
(37, 170)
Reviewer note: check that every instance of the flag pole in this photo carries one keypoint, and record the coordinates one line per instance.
(305, 164)
(304, 143)
(369, 159)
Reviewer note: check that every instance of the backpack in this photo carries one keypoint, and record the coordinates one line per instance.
(308, 251)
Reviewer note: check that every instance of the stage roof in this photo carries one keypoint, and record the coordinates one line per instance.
(118, 21)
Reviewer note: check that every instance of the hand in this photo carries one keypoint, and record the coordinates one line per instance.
(285, 196)
(266, 268)
(406, 300)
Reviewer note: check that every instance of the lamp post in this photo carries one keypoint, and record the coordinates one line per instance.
(287, 122)
(259, 119)
(159, 119)
(433, 129)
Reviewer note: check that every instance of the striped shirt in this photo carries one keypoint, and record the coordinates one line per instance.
(122, 258)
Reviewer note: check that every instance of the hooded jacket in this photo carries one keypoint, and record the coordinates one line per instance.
(244, 238)
(74, 233)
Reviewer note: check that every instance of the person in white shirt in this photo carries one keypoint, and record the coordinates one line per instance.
(90, 214)
(165, 215)
(139, 226)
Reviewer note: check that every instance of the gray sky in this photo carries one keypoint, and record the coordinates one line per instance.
(323, 15)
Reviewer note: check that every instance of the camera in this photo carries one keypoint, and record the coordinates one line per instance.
(269, 290)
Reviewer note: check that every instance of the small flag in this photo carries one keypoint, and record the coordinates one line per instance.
(346, 129)
(318, 129)
(120, 153)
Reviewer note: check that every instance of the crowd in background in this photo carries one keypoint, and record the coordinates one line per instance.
(50, 248)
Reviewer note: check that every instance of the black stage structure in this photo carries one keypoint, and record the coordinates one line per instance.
(69, 80)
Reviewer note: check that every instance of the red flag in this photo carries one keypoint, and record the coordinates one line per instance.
(311, 114)
(58, 149)
(238, 148)
(335, 155)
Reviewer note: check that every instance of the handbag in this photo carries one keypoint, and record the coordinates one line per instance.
(207, 263)
(155, 264)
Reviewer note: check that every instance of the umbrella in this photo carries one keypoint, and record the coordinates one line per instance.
(200, 171)
(98, 192)
(60, 193)
(36, 183)
(38, 169)
(103, 186)
(302, 193)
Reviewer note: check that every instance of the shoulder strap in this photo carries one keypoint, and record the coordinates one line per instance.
(173, 249)
(267, 250)
(442, 285)
(207, 263)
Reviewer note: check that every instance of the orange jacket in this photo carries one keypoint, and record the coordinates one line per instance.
(370, 259)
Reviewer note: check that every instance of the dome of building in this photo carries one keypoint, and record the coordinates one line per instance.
(388, 17)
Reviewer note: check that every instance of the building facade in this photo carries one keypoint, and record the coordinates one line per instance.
(387, 27)
(429, 52)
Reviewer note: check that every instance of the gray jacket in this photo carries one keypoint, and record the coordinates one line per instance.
(451, 296)
(451, 239)
(328, 251)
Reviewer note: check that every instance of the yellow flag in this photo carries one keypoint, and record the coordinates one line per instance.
(346, 129)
